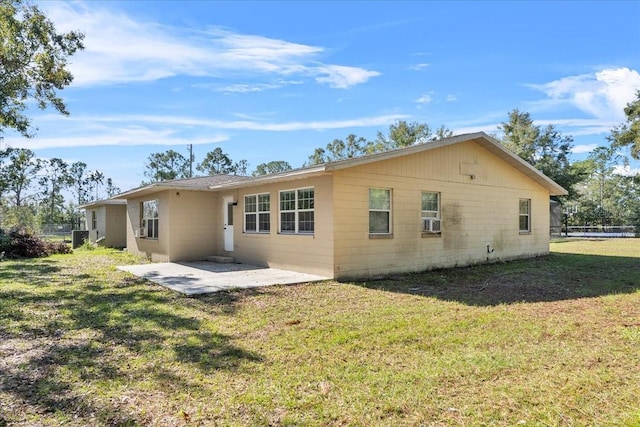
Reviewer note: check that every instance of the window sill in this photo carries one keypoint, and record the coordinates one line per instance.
(429, 234)
(257, 233)
(380, 236)
(295, 234)
(525, 233)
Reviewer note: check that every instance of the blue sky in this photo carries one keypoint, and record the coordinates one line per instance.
(274, 80)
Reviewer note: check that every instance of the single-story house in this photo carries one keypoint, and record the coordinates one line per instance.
(106, 222)
(458, 201)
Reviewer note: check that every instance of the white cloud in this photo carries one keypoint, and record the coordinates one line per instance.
(419, 67)
(255, 125)
(602, 95)
(451, 98)
(126, 136)
(119, 49)
(89, 131)
(246, 88)
(424, 99)
(580, 127)
(490, 129)
(626, 170)
(585, 148)
(341, 77)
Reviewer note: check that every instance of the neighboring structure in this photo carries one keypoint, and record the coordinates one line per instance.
(555, 218)
(453, 202)
(106, 221)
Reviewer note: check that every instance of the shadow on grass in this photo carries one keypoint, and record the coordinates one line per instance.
(549, 278)
(34, 273)
(226, 302)
(37, 384)
(65, 336)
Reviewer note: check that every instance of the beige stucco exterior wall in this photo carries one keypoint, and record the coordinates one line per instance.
(156, 250)
(475, 213)
(296, 252)
(195, 224)
(187, 226)
(101, 225)
(115, 226)
(110, 223)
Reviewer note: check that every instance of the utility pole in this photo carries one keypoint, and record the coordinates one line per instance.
(602, 213)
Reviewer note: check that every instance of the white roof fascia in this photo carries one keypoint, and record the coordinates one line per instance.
(398, 152)
(277, 177)
(514, 160)
(98, 203)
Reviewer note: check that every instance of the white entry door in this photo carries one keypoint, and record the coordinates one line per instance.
(227, 214)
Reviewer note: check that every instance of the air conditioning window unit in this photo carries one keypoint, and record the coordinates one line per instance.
(431, 225)
(140, 232)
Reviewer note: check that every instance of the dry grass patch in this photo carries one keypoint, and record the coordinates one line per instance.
(548, 341)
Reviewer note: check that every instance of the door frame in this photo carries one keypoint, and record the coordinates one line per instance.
(227, 223)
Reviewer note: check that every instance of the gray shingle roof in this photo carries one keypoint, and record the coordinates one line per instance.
(201, 183)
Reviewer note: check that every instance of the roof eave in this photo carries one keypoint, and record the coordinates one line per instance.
(271, 178)
(106, 202)
(156, 188)
(501, 151)
(386, 155)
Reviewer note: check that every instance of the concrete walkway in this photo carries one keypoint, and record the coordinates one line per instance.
(193, 278)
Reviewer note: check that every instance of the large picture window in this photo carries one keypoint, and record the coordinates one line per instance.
(297, 211)
(525, 215)
(257, 213)
(379, 211)
(150, 218)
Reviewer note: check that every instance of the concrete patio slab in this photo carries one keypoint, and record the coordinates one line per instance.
(193, 278)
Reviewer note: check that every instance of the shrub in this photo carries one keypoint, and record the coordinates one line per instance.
(58, 248)
(86, 246)
(19, 242)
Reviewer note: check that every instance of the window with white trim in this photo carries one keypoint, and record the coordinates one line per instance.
(297, 211)
(525, 216)
(257, 213)
(430, 211)
(150, 218)
(379, 211)
(430, 205)
(94, 220)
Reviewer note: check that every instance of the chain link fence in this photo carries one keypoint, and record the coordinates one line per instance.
(55, 232)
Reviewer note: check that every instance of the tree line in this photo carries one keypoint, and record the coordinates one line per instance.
(33, 190)
(600, 192)
(171, 164)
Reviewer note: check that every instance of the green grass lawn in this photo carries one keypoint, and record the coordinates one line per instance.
(543, 342)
